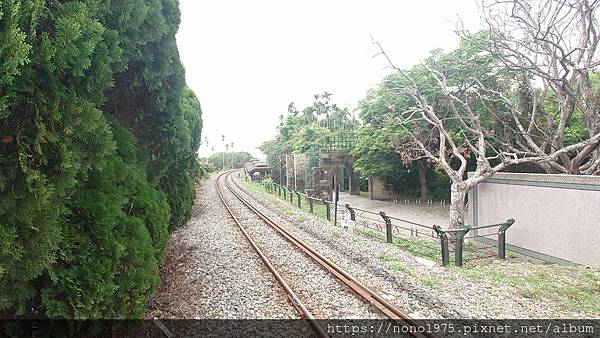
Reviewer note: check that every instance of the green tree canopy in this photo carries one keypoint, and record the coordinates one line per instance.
(232, 159)
(317, 127)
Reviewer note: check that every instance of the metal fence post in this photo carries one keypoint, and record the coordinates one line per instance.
(328, 209)
(388, 227)
(284, 193)
(291, 196)
(352, 214)
(444, 241)
(279, 190)
(458, 245)
(299, 202)
(310, 204)
(502, 238)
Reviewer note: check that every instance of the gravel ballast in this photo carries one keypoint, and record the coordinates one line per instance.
(212, 272)
(320, 291)
(404, 294)
(424, 290)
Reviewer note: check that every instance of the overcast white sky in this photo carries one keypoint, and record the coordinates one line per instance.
(247, 60)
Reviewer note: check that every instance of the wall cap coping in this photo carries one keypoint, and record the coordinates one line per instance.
(550, 178)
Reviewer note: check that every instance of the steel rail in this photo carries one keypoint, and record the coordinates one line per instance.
(369, 296)
(294, 299)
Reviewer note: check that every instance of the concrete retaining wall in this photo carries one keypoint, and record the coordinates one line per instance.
(557, 216)
(377, 189)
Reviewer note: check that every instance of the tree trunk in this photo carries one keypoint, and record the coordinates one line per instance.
(458, 211)
(423, 165)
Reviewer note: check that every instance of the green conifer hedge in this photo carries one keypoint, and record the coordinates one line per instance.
(98, 140)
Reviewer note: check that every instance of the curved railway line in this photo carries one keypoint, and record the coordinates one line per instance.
(356, 287)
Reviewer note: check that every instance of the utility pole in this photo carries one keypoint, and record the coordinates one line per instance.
(232, 155)
(223, 165)
(226, 148)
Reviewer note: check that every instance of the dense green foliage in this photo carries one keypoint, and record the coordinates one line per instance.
(390, 123)
(203, 168)
(377, 155)
(382, 143)
(234, 159)
(317, 127)
(374, 142)
(98, 147)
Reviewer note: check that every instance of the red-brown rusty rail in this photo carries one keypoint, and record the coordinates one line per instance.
(296, 302)
(356, 286)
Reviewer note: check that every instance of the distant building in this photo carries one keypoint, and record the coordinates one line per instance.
(256, 169)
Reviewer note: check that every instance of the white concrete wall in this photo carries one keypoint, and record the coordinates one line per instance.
(557, 216)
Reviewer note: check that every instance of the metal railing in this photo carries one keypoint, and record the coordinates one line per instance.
(391, 225)
(460, 236)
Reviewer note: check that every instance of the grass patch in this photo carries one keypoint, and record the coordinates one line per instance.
(370, 233)
(402, 268)
(479, 272)
(579, 290)
(419, 247)
(254, 186)
(423, 280)
(385, 258)
(335, 234)
(289, 207)
(572, 288)
(469, 255)
(428, 282)
(318, 209)
(260, 189)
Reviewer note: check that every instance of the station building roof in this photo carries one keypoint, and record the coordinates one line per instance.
(253, 166)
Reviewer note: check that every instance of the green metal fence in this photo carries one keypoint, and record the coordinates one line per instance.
(392, 226)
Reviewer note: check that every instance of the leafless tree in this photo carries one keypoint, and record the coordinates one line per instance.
(462, 106)
(552, 46)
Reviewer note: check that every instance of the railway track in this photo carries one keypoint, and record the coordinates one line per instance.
(356, 287)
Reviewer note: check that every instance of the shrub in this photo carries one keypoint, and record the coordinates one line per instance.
(98, 135)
